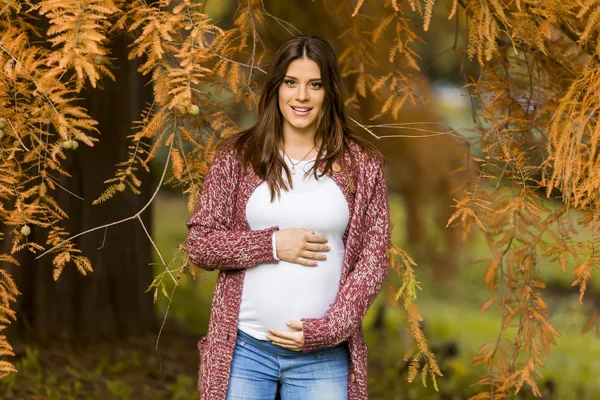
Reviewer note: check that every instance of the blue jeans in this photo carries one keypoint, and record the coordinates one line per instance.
(259, 368)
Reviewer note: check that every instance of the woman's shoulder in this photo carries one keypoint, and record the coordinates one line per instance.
(224, 157)
(225, 150)
(365, 154)
(368, 165)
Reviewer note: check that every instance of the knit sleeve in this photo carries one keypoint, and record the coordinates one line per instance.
(211, 242)
(364, 282)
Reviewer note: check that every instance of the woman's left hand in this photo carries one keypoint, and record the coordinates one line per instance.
(289, 340)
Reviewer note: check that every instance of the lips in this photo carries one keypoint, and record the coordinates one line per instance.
(301, 111)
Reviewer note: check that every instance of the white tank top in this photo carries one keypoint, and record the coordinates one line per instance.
(274, 293)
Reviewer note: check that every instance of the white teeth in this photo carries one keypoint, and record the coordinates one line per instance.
(301, 109)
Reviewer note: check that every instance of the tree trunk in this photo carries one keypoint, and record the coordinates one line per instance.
(111, 301)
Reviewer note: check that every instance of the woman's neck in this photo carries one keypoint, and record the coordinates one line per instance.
(297, 145)
(300, 148)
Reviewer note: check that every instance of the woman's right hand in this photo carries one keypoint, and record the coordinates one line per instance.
(300, 246)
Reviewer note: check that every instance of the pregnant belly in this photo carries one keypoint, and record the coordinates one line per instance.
(276, 293)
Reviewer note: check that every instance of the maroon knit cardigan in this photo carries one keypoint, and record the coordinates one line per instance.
(220, 238)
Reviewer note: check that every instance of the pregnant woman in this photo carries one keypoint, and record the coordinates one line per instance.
(294, 215)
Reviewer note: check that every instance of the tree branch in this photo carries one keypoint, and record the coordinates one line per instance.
(135, 216)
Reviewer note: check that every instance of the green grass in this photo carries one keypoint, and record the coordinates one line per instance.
(120, 371)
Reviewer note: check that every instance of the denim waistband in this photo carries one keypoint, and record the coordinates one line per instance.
(273, 349)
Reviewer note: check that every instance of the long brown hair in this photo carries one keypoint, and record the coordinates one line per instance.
(261, 143)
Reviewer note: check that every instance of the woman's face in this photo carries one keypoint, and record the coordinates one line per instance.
(301, 96)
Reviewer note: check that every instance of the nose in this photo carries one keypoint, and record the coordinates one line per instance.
(301, 93)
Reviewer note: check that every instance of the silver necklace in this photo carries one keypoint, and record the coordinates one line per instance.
(294, 164)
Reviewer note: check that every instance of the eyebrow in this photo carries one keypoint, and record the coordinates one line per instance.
(310, 80)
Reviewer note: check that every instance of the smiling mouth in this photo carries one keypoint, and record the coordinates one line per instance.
(301, 109)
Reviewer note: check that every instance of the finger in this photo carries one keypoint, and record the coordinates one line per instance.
(294, 348)
(313, 256)
(316, 239)
(293, 336)
(280, 342)
(298, 325)
(316, 247)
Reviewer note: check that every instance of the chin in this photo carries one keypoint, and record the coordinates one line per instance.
(301, 126)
